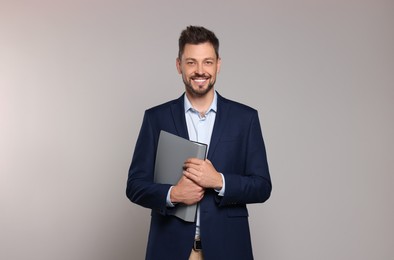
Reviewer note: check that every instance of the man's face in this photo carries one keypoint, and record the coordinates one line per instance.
(198, 66)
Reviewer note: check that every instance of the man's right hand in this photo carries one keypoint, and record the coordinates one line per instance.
(187, 192)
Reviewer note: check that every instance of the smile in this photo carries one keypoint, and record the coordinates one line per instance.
(200, 80)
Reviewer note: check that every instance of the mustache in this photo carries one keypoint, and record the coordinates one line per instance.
(197, 75)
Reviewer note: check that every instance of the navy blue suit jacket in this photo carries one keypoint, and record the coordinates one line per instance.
(236, 150)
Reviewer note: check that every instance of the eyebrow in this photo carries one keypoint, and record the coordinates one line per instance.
(193, 59)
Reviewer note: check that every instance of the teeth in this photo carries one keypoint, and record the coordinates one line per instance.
(200, 80)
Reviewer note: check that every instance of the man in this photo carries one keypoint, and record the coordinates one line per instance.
(234, 174)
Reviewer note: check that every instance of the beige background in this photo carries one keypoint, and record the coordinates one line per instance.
(76, 77)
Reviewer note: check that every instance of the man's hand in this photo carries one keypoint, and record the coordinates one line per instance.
(187, 192)
(203, 173)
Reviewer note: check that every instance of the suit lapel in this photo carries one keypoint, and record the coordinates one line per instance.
(178, 115)
(219, 125)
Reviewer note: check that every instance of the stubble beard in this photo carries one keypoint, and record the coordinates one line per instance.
(197, 92)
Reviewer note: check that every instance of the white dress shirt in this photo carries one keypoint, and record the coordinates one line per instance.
(200, 129)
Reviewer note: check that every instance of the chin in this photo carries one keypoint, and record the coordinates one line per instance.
(200, 91)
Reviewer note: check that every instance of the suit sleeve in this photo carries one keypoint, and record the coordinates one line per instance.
(253, 184)
(140, 186)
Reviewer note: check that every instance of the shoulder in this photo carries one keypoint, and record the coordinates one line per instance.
(235, 107)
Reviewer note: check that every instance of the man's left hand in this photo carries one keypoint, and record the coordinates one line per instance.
(203, 173)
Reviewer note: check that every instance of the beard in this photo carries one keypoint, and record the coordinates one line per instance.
(198, 92)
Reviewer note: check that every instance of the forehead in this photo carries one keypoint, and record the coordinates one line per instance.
(199, 51)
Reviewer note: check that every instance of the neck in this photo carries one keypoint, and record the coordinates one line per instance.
(201, 103)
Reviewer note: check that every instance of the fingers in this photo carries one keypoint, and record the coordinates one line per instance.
(188, 184)
(194, 161)
(198, 167)
(190, 175)
(186, 191)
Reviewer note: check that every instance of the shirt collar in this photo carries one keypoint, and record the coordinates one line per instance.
(213, 107)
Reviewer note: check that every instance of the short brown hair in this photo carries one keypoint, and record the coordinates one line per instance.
(197, 35)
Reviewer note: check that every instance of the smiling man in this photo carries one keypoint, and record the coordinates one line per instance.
(234, 174)
(198, 65)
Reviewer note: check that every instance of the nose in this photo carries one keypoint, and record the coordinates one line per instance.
(200, 69)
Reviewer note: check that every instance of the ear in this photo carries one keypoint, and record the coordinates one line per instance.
(219, 64)
(178, 65)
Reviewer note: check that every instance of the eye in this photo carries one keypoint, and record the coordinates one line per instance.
(208, 62)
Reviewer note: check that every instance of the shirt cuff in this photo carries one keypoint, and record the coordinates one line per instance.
(168, 199)
(222, 190)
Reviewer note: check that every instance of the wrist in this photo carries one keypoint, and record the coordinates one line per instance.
(219, 182)
(173, 195)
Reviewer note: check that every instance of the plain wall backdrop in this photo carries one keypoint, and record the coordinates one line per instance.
(76, 77)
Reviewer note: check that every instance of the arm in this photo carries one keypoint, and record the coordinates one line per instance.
(253, 183)
(140, 186)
